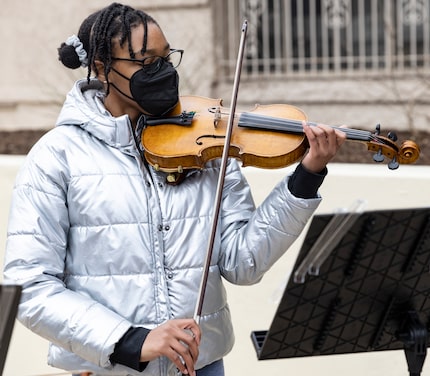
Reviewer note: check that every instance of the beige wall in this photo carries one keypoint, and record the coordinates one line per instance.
(33, 83)
(253, 307)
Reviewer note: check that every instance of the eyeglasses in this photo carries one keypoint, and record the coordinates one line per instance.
(152, 64)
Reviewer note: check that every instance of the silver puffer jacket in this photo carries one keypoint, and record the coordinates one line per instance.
(100, 242)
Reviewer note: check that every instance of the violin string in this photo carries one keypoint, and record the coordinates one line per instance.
(295, 126)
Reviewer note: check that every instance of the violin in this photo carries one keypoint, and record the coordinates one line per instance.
(268, 136)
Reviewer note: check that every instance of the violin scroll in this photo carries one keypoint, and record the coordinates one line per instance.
(409, 152)
(383, 147)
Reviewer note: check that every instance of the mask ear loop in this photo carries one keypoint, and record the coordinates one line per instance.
(117, 88)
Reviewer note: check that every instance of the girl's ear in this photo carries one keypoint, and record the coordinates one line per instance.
(100, 70)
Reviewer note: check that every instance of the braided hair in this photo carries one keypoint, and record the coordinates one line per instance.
(94, 39)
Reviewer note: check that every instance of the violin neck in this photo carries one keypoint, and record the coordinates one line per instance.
(257, 121)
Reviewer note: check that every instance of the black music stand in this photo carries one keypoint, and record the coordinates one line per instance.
(368, 292)
(9, 300)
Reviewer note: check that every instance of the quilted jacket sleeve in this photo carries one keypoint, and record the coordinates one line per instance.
(35, 258)
(252, 246)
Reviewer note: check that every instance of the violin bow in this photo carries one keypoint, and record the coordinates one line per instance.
(221, 177)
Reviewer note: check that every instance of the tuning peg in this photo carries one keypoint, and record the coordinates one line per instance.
(378, 129)
(378, 157)
(393, 165)
(392, 136)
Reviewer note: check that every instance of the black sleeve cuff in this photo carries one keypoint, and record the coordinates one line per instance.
(305, 184)
(127, 350)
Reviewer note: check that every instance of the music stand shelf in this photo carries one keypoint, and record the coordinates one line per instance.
(370, 293)
(9, 301)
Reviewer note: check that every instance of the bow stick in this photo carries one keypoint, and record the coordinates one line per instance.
(224, 160)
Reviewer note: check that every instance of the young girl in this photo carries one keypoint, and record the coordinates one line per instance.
(109, 254)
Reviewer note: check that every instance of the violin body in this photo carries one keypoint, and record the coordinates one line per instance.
(172, 147)
(269, 136)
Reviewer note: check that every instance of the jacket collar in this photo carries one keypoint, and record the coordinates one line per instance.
(84, 107)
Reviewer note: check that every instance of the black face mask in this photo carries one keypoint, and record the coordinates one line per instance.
(157, 93)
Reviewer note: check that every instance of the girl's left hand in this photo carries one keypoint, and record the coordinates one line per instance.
(324, 142)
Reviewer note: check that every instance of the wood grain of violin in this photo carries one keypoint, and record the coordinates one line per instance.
(268, 136)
